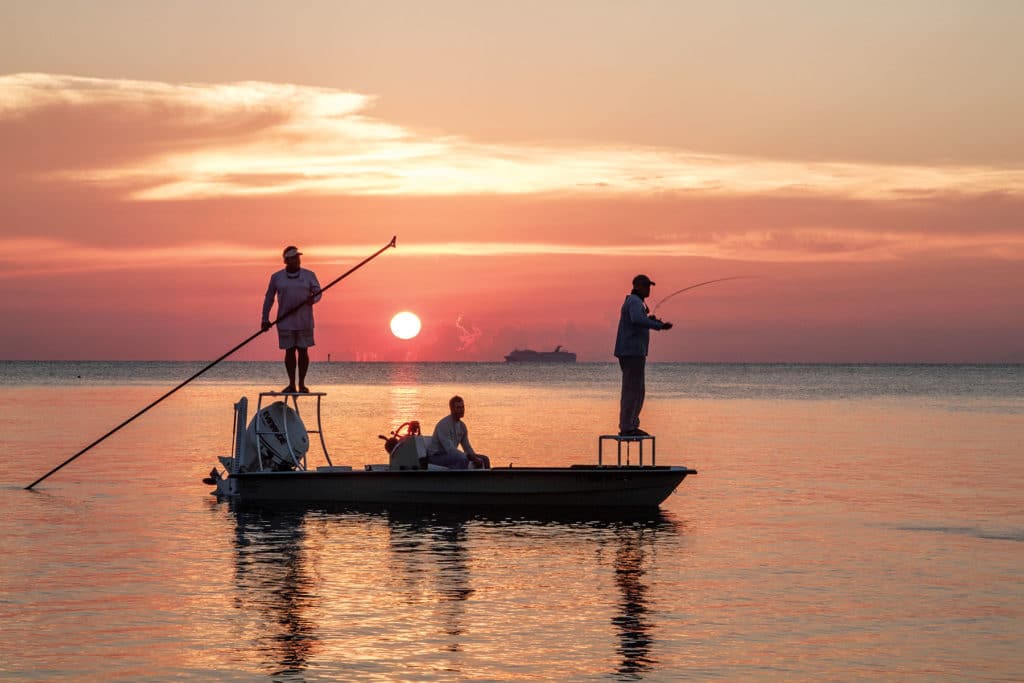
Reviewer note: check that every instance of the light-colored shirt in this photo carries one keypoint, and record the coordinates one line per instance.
(449, 434)
(635, 327)
(292, 289)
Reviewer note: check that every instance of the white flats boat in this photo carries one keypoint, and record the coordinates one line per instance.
(269, 463)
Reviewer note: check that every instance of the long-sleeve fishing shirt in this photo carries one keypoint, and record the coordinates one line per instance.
(292, 289)
(449, 434)
(635, 327)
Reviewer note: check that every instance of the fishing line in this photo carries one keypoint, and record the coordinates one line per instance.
(699, 284)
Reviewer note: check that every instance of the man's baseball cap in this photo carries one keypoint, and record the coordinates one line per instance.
(291, 251)
(642, 280)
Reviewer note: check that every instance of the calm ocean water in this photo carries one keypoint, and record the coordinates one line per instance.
(848, 523)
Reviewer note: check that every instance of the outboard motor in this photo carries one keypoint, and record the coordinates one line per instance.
(275, 440)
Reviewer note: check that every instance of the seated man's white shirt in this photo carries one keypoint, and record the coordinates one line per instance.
(449, 434)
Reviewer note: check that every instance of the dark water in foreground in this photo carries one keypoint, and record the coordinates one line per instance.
(848, 523)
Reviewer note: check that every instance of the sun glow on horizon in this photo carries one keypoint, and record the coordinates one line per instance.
(405, 325)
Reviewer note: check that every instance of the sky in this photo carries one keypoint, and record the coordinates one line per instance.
(858, 166)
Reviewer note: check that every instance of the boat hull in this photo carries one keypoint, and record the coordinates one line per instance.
(577, 486)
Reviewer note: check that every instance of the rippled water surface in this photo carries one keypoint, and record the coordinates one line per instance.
(848, 523)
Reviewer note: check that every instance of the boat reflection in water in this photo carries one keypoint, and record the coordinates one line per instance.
(414, 541)
(274, 588)
(632, 623)
(390, 591)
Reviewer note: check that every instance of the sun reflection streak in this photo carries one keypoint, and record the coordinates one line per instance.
(405, 400)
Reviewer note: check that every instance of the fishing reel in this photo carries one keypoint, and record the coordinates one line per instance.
(412, 428)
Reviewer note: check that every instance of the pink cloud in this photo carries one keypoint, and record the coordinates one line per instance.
(164, 141)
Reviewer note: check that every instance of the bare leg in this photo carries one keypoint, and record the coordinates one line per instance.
(289, 366)
(303, 367)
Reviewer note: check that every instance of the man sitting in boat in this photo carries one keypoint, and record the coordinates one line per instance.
(449, 434)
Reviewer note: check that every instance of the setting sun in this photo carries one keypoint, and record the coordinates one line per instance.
(405, 325)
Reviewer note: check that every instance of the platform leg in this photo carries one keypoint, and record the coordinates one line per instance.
(320, 431)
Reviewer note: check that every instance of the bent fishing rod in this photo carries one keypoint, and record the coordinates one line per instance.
(281, 317)
(699, 284)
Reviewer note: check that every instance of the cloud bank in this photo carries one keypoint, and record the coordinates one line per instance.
(162, 141)
(792, 246)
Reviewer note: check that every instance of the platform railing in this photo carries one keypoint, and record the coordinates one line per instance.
(628, 440)
(294, 396)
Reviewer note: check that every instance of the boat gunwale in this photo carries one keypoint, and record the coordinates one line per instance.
(573, 469)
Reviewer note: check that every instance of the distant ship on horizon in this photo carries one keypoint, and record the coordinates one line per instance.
(531, 356)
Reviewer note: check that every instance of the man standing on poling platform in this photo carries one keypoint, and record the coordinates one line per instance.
(631, 342)
(296, 289)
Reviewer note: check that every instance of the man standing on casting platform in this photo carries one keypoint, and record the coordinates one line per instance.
(295, 288)
(635, 325)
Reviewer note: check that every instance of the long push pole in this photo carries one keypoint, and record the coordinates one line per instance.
(210, 365)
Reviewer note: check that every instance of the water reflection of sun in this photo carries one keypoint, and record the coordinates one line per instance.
(405, 325)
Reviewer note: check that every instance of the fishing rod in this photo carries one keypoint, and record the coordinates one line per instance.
(280, 317)
(699, 284)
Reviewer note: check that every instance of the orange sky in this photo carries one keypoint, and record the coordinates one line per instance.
(862, 165)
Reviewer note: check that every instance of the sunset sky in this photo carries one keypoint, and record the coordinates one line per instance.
(860, 164)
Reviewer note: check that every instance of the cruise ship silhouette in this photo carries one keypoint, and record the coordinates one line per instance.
(531, 356)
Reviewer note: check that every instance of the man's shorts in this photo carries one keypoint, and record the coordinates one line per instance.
(287, 339)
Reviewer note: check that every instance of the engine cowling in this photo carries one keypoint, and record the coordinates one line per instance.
(277, 437)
